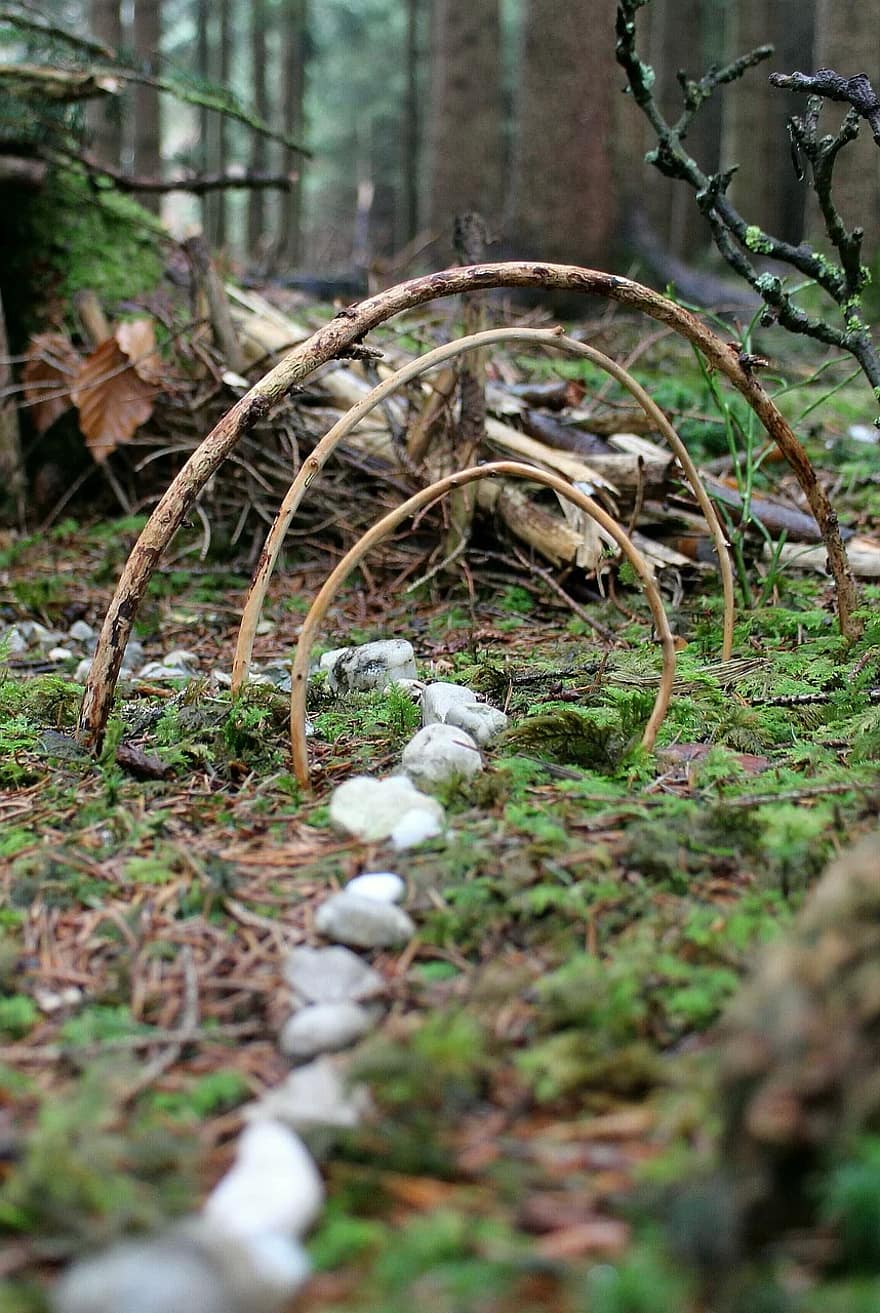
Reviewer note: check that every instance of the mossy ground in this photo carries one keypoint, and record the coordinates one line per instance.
(545, 1070)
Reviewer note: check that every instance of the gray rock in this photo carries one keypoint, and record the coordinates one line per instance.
(439, 755)
(314, 1098)
(370, 808)
(363, 923)
(38, 635)
(59, 654)
(324, 1028)
(482, 722)
(370, 666)
(331, 975)
(133, 655)
(81, 673)
(273, 1187)
(384, 886)
(80, 632)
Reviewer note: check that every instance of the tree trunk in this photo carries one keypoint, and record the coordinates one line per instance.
(564, 204)
(466, 149)
(217, 130)
(203, 73)
(847, 41)
(411, 125)
(256, 224)
(684, 37)
(103, 116)
(147, 34)
(293, 70)
(765, 188)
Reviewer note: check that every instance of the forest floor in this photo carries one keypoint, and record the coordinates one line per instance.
(545, 1071)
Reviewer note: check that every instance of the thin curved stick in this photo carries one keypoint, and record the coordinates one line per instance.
(389, 522)
(346, 330)
(312, 466)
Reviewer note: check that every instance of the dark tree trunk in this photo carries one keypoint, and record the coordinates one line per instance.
(466, 114)
(411, 125)
(103, 116)
(564, 205)
(256, 225)
(293, 72)
(147, 34)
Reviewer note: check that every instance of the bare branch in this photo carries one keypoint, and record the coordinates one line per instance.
(856, 91)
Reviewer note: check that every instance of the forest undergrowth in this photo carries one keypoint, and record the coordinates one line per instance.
(545, 1076)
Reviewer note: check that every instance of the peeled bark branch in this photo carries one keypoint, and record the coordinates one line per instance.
(347, 329)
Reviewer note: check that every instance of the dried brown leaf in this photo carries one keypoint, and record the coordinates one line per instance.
(50, 369)
(137, 338)
(112, 399)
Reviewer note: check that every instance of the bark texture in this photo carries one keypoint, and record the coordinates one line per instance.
(466, 158)
(147, 34)
(103, 115)
(563, 205)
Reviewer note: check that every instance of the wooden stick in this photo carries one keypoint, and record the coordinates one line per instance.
(347, 329)
(388, 523)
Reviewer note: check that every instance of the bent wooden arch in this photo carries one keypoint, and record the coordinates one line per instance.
(389, 522)
(315, 462)
(345, 332)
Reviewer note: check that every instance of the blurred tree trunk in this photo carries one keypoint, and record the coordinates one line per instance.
(147, 33)
(466, 148)
(685, 36)
(411, 124)
(847, 40)
(564, 202)
(764, 187)
(103, 116)
(203, 73)
(294, 47)
(256, 220)
(219, 70)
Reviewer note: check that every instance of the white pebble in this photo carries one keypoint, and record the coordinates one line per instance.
(81, 673)
(370, 809)
(369, 666)
(384, 886)
(331, 975)
(59, 654)
(438, 699)
(314, 1097)
(441, 754)
(273, 1185)
(482, 722)
(414, 828)
(363, 923)
(324, 1028)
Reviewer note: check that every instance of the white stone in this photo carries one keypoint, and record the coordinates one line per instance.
(331, 975)
(157, 671)
(363, 923)
(314, 1097)
(369, 667)
(59, 654)
(439, 699)
(181, 660)
(482, 722)
(191, 1269)
(414, 828)
(148, 1276)
(80, 632)
(440, 754)
(81, 673)
(384, 886)
(13, 641)
(272, 1187)
(370, 808)
(324, 1028)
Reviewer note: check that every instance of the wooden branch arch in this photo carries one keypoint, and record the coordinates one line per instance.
(345, 332)
(388, 523)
